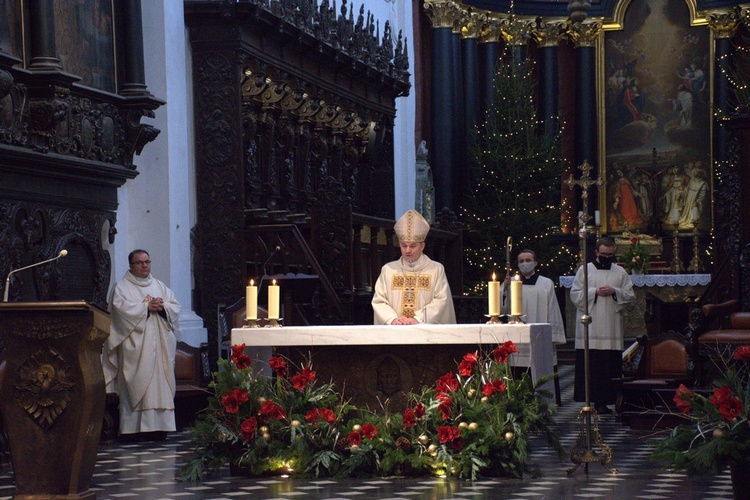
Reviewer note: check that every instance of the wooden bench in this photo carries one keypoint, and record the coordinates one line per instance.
(645, 398)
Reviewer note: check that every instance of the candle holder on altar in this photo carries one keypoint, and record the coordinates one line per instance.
(274, 323)
(493, 319)
(251, 323)
(515, 319)
(676, 267)
(695, 264)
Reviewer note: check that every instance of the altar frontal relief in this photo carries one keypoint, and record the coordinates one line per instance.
(657, 118)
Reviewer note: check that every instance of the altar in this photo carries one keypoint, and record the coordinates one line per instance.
(662, 302)
(378, 365)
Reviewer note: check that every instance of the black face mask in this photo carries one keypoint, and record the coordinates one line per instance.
(606, 261)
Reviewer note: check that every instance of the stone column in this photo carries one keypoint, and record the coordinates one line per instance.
(42, 36)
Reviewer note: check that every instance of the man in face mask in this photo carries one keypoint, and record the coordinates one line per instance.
(539, 306)
(609, 291)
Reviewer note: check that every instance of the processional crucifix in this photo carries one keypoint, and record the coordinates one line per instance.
(582, 452)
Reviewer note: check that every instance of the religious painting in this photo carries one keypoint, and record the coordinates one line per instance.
(84, 35)
(11, 33)
(657, 119)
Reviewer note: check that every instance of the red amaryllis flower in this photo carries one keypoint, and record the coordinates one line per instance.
(452, 435)
(248, 428)
(354, 438)
(409, 418)
(270, 410)
(369, 431)
(419, 410)
(300, 380)
(238, 356)
(681, 398)
(491, 388)
(729, 406)
(233, 399)
(447, 383)
(742, 353)
(468, 363)
(633, 240)
(312, 415)
(327, 415)
(444, 408)
(502, 353)
(279, 366)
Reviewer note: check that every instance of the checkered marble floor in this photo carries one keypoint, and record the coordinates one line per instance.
(147, 471)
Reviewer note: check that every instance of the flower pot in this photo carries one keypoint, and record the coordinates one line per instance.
(740, 480)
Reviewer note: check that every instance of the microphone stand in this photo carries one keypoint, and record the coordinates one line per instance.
(62, 253)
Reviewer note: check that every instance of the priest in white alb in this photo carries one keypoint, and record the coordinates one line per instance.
(414, 288)
(539, 306)
(610, 290)
(139, 354)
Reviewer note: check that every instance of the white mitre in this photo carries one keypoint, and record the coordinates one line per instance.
(411, 227)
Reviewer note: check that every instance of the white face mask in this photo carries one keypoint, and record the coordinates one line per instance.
(526, 268)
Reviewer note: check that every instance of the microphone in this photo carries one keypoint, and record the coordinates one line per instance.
(62, 253)
(265, 271)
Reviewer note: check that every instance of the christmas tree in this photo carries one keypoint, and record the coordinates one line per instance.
(516, 174)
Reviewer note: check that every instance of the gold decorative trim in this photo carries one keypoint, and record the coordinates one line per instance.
(616, 23)
(723, 23)
(472, 27)
(518, 31)
(549, 33)
(442, 13)
(585, 34)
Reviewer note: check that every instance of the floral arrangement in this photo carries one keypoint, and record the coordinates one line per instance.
(636, 257)
(717, 431)
(473, 422)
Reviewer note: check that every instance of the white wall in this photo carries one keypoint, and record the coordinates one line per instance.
(156, 209)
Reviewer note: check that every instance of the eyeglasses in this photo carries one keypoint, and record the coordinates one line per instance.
(141, 263)
(606, 255)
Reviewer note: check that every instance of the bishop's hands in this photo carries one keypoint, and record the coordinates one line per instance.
(403, 320)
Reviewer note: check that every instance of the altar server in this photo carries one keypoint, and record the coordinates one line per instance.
(539, 306)
(139, 354)
(412, 289)
(610, 290)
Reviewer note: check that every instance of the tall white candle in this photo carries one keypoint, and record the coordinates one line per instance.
(597, 218)
(273, 301)
(516, 296)
(494, 296)
(251, 301)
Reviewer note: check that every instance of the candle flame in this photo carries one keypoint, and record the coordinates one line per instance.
(517, 277)
(252, 282)
(493, 277)
(274, 282)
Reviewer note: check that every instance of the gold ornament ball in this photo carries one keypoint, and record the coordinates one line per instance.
(357, 428)
(508, 436)
(263, 430)
(424, 439)
(295, 423)
(484, 399)
(354, 447)
(266, 436)
(463, 425)
(261, 400)
(719, 433)
(471, 393)
(432, 449)
(473, 426)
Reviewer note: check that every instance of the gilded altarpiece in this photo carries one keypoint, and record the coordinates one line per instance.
(656, 94)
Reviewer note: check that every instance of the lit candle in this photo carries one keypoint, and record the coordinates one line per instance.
(597, 219)
(695, 213)
(675, 216)
(251, 301)
(273, 300)
(516, 296)
(494, 296)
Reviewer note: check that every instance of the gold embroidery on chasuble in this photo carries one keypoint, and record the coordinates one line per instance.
(410, 284)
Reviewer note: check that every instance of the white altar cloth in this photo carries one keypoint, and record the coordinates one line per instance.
(537, 335)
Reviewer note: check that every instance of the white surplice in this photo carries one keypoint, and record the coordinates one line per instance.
(419, 290)
(139, 354)
(605, 330)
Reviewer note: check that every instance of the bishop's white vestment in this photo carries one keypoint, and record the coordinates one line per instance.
(139, 354)
(539, 306)
(419, 290)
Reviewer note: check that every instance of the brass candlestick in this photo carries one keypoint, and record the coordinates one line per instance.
(696, 266)
(251, 323)
(274, 323)
(515, 319)
(493, 320)
(677, 267)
